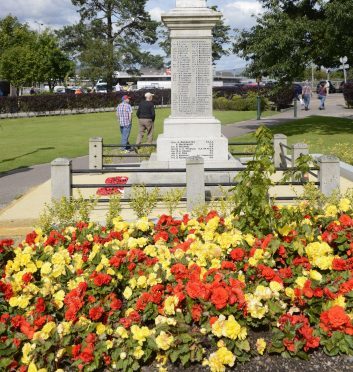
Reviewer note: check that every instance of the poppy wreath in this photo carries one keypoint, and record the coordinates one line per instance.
(118, 180)
(179, 291)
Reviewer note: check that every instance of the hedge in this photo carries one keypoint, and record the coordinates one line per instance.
(348, 93)
(280, 97)
(59, 102)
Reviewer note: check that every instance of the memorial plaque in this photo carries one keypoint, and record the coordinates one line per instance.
(182, 149)
(192, 78)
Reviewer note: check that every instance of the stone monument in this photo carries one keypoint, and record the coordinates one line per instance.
(191, 129)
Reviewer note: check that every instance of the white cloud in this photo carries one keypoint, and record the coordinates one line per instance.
(50, 13)
(240, 13)
(156, 13)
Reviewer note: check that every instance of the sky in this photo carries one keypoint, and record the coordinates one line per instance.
(57, 13)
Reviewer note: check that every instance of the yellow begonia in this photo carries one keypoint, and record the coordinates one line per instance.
(219, 359)
(260, 345)
(331, 211)
(249, 239)
(46, 268)
(100, 329)
(143, 224)
(339, 301)
(169, 305)
(262, 292)
(26, 349)
(138, 352)
(344, 204)
(229, 328)
(315, 275)
(255, 307)
(142, 281)
(275, 286)
(140, 334)
(127, 293)
(164, 341)
(21, 301)
(122, 332)
(320, 255)
(300, 281)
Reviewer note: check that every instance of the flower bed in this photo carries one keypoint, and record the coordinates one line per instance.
(178, 291)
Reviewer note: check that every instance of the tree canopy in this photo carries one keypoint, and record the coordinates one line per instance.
(109, 36)
(292, 34)
(28, 57)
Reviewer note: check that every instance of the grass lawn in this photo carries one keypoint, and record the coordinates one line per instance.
(325, 135)
(29, 141)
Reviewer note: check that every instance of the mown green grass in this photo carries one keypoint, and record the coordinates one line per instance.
(325, 135)
(29, 141)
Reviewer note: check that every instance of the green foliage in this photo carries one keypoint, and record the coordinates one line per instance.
(246, 102)
(27, 57)
(291, 34)
(65, 212)
(143, 201)
(109, 36)
(114, 209)
(348, 93)
(251, 195)
(172, 199)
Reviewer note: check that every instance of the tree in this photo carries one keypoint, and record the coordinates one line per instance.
(27, 57)
(109, 37)
(17, 57)
(291, 34)
(220, 44)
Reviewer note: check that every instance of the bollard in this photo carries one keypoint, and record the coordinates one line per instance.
(329, 175)
(195, 182)
(295, 108)
(96, 153)
(258, 101)
(61, 178)
(278, 160)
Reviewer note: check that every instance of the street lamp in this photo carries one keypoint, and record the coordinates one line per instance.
(258, 99)
(343, 60)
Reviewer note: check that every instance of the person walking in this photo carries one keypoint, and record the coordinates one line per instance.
(307, 93)
(146, 115)
(322, 95)
(124, 116)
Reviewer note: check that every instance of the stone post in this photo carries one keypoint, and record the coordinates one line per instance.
(195, 182)
(61, 178)
(297, 150)
(329, 174)
(96, 153)
(277, 140)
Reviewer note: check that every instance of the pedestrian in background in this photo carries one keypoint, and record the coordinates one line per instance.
(322, 95)
(146, 115)
(124, 115)
(307, 93)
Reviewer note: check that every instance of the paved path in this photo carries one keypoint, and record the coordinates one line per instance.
(14, 184)
(334, 107)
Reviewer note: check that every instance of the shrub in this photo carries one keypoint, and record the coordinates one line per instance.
(281, 96)
(348, 93)
(220, 103)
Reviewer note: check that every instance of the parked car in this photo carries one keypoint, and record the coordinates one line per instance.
(100, 88)
(332, 88)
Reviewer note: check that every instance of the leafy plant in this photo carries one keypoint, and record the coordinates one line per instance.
(143, 201)
(65, 212)
(172, 199)
(251, 195)
(114, 209)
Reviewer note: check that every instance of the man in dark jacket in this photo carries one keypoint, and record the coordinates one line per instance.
(146, 116)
